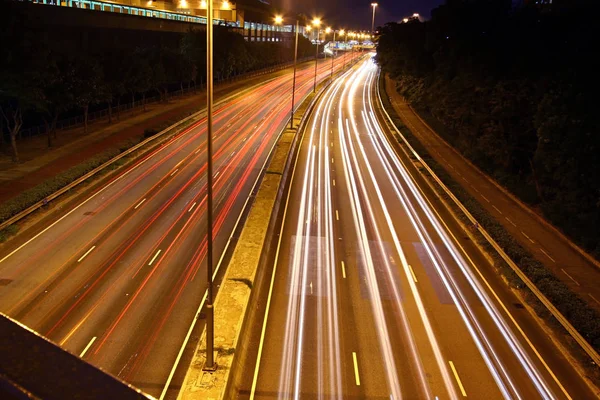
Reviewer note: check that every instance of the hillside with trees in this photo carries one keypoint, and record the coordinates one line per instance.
(514, 88)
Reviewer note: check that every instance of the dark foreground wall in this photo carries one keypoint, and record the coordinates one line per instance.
(33, 367)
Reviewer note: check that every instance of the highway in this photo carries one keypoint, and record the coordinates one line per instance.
(376, 293)
(118, 275)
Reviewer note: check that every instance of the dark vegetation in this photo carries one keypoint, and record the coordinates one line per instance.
(515, 88)
(46, 73)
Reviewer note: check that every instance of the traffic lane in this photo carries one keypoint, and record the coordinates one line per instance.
(136, 200)
(185, 175)
(373, 256)
(494, 338)
(390, 217)
(260, 152)
(280, 354)
(121, 197)
(534, 339)
(197, 258)
(310, 384)
(51, 239)
(372, 177)
(450, 336)
(182, 211)
(366, 270)
(285, 344)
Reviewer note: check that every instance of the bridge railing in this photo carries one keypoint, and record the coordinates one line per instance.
(131, 10)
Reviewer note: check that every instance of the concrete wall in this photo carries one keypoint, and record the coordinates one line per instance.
(33, 367)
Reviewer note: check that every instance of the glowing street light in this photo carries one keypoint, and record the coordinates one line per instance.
(328, 30)
(278, 21)
(316, 23)
(374, 5)
(226, 5)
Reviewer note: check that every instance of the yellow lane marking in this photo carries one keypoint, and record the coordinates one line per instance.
(460, 385)
(356, 375)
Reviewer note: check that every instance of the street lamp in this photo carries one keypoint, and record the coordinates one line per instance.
(279, 20)
(344, 33)
(374, 5)
(328, 30)
(210, 364)
(316, 23)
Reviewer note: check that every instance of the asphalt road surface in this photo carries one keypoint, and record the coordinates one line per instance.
(375, 291)
(118, 276)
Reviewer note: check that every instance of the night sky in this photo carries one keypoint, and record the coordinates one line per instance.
(356, 14)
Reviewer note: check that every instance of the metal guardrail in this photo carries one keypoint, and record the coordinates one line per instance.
(589, 350)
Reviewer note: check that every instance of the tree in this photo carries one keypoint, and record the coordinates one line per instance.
(56, 96)
(84, 82)
(114, 72)
(21, 61)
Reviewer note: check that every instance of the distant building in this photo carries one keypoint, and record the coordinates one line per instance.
(253, 17)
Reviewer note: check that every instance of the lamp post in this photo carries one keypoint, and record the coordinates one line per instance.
(210, 364)
(374, 5)
(279, 20)
(317, 23)
(332, 53)
(343, 33)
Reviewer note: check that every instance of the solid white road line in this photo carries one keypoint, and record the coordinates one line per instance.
(87, 347)
(547, 255)
(139, 204)
(86, 253)
(154, 258)
(356, 374)
(192, 207)
(460, 385)
(344, 271)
